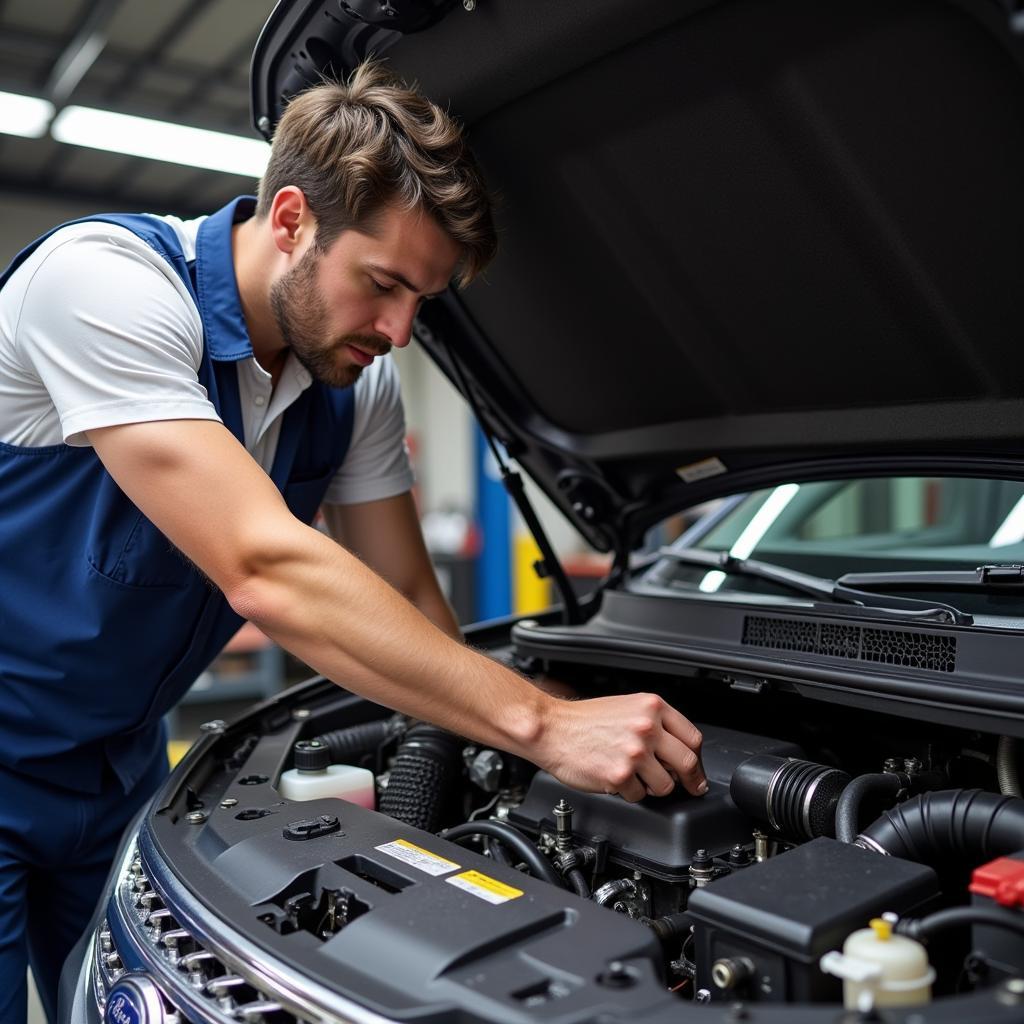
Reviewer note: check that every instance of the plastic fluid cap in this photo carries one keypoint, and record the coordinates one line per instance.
(311, 755)
(314, 778)
(881, 968)
(1001, 880)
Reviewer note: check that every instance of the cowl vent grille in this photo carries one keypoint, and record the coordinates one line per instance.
(856, 643)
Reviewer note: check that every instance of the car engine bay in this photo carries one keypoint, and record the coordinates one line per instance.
(840, 856)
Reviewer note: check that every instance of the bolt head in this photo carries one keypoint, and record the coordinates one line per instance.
(195, 817)
(216, 725)
(300, 714)
(229, 802)
(469, 5)
(263, 123)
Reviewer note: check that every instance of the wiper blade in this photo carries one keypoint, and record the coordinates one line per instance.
(985, 577)
(838, 591)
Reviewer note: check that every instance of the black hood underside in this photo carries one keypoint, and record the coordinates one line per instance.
(741, 242)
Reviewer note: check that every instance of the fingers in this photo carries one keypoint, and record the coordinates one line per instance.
(682, 760)
(633, 745)
(682, 728)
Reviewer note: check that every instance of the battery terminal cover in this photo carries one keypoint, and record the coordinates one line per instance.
(1001, 880)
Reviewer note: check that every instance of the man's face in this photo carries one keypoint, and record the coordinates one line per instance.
(340, 309)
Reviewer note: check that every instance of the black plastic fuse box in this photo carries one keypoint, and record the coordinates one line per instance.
(776, 919)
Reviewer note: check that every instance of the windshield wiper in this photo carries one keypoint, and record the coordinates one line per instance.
(986, 577)
(836, 591)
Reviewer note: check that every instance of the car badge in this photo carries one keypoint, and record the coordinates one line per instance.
(134, 1000)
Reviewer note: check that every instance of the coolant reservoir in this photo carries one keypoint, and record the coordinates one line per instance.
(314, 777)
(881, 969)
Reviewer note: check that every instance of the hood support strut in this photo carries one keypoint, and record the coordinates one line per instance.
(549, 564)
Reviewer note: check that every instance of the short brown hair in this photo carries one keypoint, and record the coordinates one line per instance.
(355, 147)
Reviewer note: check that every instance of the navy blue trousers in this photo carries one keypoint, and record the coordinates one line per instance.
(56, 847)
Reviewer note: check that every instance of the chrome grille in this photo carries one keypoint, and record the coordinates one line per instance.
(198, 979)
(222, 992)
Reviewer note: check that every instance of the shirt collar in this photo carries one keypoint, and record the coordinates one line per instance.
(226, 335)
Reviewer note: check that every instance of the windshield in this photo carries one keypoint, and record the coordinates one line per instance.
(846, 526)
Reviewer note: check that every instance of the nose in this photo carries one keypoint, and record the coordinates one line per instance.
(395, 324)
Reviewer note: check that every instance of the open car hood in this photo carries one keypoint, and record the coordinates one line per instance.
(741, 242)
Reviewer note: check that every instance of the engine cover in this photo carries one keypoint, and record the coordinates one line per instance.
(659, 836)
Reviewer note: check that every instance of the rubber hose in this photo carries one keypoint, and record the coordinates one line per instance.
(579, 884)
(425, 768)
(954, 917)
(959, 826)
(498, 853)
(510, 837)
(848, 807)
(670, 926)
(1006, 766)
(348, 745)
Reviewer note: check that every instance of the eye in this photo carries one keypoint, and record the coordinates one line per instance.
(380, 289)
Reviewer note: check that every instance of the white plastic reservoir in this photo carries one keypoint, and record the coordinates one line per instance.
(314, 778)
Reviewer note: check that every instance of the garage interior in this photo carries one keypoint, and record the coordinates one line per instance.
(186, 62)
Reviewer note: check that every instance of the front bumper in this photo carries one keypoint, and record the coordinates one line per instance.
(152, 959)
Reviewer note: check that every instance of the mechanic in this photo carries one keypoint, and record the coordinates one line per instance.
(177, 399)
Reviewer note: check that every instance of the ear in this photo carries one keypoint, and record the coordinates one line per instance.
(292, 224)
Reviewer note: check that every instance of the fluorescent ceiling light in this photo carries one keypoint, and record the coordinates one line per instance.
(161, 140)
(24, 115)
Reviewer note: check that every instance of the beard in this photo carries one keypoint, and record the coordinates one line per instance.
(301, 314)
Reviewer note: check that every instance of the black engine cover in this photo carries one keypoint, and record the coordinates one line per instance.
(659, 836)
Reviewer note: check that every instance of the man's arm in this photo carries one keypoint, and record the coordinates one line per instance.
(204, 492)
(386, 536)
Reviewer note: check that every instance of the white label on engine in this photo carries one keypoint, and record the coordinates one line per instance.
(417, 857)
(701, 470)
(484, 887)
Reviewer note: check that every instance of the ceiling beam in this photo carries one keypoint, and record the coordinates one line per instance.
(81, 52)
(151, 56)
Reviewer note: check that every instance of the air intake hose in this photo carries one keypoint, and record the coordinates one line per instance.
(797, 798)
(425, 768)
(349, 745)
(962, 826)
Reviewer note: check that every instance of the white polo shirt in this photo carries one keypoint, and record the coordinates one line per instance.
(96, 329)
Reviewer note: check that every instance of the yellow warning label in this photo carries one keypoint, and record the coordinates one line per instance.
(485, 888)
(417, 857)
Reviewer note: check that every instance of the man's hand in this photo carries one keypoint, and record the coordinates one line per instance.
(635, 745)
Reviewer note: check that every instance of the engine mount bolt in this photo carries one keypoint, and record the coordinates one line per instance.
(229, 802)
(702, 870)
(760, 846)
(563, 825)
(195, 817)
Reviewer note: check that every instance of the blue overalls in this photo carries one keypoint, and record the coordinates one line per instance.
(104, 626)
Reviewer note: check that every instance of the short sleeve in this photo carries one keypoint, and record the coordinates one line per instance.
(111, 333)
(377, 464)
